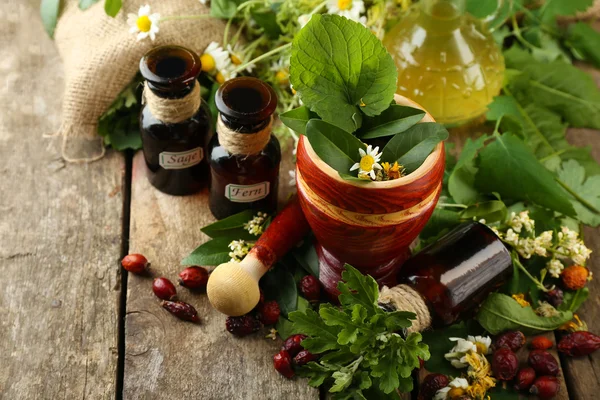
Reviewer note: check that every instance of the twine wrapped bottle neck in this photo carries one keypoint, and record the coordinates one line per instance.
(405, 298)
(173, 111)
(246, 144)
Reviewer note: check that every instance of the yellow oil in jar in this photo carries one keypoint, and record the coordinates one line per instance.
(447, 60)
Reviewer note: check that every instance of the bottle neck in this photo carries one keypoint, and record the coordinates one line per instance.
(172, 109)
(243, 140)
(442, 16)
(404, 298)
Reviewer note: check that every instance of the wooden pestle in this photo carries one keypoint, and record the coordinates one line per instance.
(233, 287)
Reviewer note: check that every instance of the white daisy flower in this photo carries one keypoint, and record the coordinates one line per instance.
(351, 9)
(144, 23)
(215, 58)
(238, 57)
(483, 344)
(442, 394)
(369, 162)
(456, 355)
(282, 71)
(225, 75)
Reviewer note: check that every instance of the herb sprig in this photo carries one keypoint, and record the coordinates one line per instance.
(363, 353)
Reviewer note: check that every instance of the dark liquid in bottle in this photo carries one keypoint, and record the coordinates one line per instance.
(455, 274)
(175, 153)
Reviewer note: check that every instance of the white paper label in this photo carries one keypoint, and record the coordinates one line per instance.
(185, 159)
(246, 194)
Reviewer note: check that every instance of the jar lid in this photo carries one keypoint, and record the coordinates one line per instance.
(246, 100)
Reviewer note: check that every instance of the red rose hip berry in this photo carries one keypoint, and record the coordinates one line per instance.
(513, 340)
(545, 387)
(293, 344)
(543, 362)
(525, 378)
(282, 362)
(541, 343)
(431, 384)
(164, 289)
(310, 288)
(304, 357)
(181, 310)
(242, 326)
(193, 277)
(135, 263)
(504, 364)
(579, 344)
(268, 312)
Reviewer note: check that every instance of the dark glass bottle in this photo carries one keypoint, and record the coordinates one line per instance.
(456, 273)
(244, 176)
(174, 122)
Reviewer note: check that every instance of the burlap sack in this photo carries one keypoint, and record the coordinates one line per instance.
(101, 57)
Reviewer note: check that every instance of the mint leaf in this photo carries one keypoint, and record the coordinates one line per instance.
(461, 183)
(586, 192)
(508, 167)
(213, 252)
(411, 148)
(341, 70)
(49, 10)
(394, 120)
(500, 313)
(576, 99)
(584, 42)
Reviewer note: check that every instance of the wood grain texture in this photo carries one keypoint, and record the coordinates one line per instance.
(166, 358)
(60, 230)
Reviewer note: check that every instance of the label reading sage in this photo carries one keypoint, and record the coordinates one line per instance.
(185, 159)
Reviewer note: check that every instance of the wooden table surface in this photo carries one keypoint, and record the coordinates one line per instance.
(72, 324)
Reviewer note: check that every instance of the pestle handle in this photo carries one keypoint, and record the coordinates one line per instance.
(233, 287)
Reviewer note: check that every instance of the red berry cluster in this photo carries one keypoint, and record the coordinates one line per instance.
(292, 354)
(163, 288)
(266, 312)
(539, 377)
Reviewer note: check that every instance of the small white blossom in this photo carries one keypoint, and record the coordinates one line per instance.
(542, 243)
(545, 309)
(442, 394)
(518, 222)
(239, 249)
(511, 238)
(255, 225)
(526, 247)
(555, 267)
(144, 23)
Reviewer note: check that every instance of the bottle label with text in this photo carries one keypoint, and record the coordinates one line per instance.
(247, 193)
(185, 159)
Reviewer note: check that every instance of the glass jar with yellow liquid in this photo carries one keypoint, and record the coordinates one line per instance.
(447, 60)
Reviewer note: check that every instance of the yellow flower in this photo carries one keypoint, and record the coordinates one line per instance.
(520, 298)
(214, 58)
(143, 23)
(282, 72)
(480, 372)
(392, 171)
(574, 326)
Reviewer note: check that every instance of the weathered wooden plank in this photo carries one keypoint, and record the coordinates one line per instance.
(167, 358)
(60, 230)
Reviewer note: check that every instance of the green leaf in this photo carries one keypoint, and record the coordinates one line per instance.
(394, 120)
(574, 299)
(411, 148)
(332, 316)
(279, 285)
(481, 8)
(224, 8)
(322, 337)
(491, 211)
(553, 8)
(439, 344)
(584, 41)
(341, 70)
(461, 183)
(231, 227)
(357, 288)
(440, 222)
(112, 7)
(500, 313)
(297, 118)
(333, 145)
(49, 10)
(577, 99)
(285, 328)
(306, 256)
(85, 4)
(504, 393)
(509, 168)
(586, 192)
(213, 252)
(266, 18)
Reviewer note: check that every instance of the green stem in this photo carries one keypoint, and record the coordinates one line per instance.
(177, 17)
(262, 57)
(577, 196)
(318, 8)
(451, 205)
(496, 129)
(517, 262)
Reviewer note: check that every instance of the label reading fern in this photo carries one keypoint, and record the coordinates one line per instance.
(247, 194)
(184, 159)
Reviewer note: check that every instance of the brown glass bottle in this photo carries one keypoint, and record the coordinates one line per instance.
(174, 122)
(456, 273)
(244, 155)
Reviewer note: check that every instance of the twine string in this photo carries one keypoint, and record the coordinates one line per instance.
(237, 143)
(405, 298)
(173, 111)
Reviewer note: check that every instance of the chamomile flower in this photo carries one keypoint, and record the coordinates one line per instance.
(215, 58)
(238, 56)
(351, 9)
(483, 344)
(144, 23)
(281, 68)
(457, 385)
(225, 75)
(369, 162)
(457, 354)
